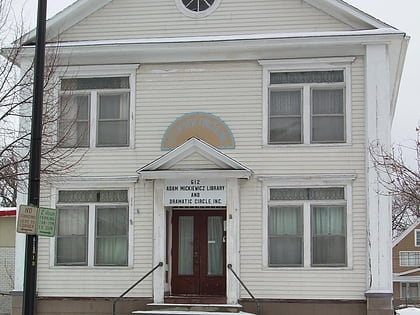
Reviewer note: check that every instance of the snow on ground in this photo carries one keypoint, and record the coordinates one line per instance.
(409, 311)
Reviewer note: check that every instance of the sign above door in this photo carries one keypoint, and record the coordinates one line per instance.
(195, 192)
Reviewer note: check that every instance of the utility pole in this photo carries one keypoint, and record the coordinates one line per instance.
(31, 251)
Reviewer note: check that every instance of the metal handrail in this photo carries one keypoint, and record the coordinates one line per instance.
(133, 286)
(245, 287)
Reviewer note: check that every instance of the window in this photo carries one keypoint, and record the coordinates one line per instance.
(197, 8)
(410, 290)
(95, 112)
(103, 243)
(417, 238)
(307, 227)
(307, 101)
(317, 94)
(409, 258)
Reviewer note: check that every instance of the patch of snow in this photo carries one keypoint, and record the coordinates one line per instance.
(409, 311)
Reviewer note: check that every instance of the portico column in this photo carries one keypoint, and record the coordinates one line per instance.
(159, 241)
(233, 240)
(378, 110)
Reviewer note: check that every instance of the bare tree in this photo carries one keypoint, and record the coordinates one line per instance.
(400, 180)
(16, 83)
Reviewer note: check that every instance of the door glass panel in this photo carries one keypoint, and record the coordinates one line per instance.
(185, 246)
(214, 247)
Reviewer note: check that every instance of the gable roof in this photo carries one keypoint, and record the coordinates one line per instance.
(405, 233)
(81, 9)
(227, 167)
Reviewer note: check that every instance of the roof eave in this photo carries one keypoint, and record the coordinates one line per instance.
(66, 18)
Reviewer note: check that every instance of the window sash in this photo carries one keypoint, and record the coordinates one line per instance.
(328, 112)
(111, 236)
(113, 119)
(417, 238)
(285, 236)
(285, 116)
(328, 230)
(73, 124)
(72, 237)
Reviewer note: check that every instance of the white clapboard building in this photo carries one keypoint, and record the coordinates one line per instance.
(220, 137)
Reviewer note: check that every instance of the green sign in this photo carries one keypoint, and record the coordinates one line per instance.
(46, 222)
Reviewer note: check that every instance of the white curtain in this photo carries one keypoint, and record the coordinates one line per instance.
(74, 120)
(111, 236)
(72, 235)
(285, 116)
(285, 236)
(185, 245)
(215, 245)
(113, 119)
(328, 115)
(328, 235)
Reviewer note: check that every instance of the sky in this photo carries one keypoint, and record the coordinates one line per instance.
(402, 14)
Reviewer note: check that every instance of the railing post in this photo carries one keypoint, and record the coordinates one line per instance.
(245, 287)
(114, 303)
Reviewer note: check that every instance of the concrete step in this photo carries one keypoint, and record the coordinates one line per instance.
(180, 312)
(204, 307)
(192, 309)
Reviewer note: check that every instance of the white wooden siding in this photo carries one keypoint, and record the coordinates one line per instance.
(142, 19)
(233, 92)
(196, 161)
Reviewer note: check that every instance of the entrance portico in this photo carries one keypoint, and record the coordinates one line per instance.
(212, 201)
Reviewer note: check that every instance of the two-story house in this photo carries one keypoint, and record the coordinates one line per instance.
(406, 266)
(220, 133)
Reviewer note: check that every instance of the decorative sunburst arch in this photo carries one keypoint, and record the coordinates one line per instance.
(205, 126)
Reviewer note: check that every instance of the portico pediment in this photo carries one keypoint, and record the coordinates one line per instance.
(194, 157)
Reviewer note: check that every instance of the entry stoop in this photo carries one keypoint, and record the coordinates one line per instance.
(192, 309)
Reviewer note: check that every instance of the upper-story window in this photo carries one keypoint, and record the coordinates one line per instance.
(417, 238)
(95, 112)
(409, 258)
(306, 103)
(197, 8)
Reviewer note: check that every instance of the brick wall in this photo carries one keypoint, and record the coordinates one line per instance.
(7, 269)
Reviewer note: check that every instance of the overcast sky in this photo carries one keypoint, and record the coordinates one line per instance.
(402, 14)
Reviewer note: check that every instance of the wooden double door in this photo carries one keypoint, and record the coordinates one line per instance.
(199, 252)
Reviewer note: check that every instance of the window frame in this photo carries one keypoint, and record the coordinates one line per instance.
(416, 252)
(310, 181)
(416, 239)
(103, 71)
(303, 65)
(197, 15)
(91, 246)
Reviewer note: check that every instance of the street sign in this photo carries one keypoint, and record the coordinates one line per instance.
(27, 219)
(37, 221)
(46, 222)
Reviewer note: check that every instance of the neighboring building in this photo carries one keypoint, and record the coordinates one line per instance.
(406, 266)
(215, 133)
(7, 258)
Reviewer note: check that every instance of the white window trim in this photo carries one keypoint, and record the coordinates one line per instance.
(310, 64)
(309, 181)
(415, 237)
(196, 15)
(129, 71)
(102, 185)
